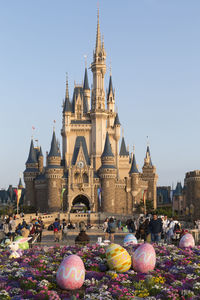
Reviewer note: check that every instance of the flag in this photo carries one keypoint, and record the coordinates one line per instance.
(99, 195)
(61, 196)
(19, 193)
(54, 121)
(33, 127)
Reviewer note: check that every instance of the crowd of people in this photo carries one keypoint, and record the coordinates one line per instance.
(10, 229)
(151, 228)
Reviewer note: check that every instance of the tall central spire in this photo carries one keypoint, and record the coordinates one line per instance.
(98, 36)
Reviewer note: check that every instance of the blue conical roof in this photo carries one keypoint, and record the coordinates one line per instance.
(20, 182)
(117, 122)
(134, 168)
(110, 88)
(86, 84)
(32, 159)
(179, 189)
(107, 148)
(67, 105)
(148, 154)
(123, 150)
(40, 153)
(54, 151)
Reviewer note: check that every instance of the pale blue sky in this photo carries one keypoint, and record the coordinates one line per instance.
(154, 48)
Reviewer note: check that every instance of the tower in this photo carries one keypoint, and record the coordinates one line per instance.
(149, 174)
(98, 113)
(107, 175)
(30, 174)
(54, 173)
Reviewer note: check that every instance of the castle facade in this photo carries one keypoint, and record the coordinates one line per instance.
(90, 169)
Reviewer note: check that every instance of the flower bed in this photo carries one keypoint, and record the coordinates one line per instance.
(33, 276)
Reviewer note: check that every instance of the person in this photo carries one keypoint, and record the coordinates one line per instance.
(170, 230)
(82, 238)
(155, 227)
(110, 231)
(56, 229)
(119, 224)
(105, 225)
(12, 228)
(64, 230)
(165, 227)
(147, 236)
(40, 229)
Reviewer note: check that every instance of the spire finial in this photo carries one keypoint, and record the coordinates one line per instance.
(133, 149)
(98, 37)
(147, 141)
(85, 57)
(54, 122)
(110, 69)
(122, 132)
(67, 87)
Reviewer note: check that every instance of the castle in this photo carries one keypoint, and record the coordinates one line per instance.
(90, 169)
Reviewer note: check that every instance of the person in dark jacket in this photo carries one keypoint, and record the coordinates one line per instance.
(155, 227)
(110, 231)
(82, 238)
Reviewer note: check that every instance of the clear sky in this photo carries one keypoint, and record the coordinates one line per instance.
(154, 49)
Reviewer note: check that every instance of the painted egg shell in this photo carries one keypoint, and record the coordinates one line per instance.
(23, 246)
(187, 241)
(118, 258)
(144, 258)
(130, 239)
(71, 273)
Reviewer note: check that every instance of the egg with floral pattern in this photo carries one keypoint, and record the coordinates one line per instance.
(144, 258)
(187, 241)
(71, 273)
(118, 258)
(130, 239)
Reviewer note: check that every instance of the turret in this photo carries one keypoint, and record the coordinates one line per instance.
(134, 174)
(40, 161)
(67, 111)
(20, 185)
(107, 175)
(98, 112)
(86, 90)
(110, 97)
(54, 173)
(30, 174)
(149, 174)
(98, 68)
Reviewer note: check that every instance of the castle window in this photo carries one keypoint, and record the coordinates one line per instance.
(85, 178)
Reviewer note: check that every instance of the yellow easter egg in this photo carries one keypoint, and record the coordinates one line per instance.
(118, 258)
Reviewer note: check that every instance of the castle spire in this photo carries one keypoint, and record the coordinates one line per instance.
(98, 35)
(107, 148)
(32, 154)
(86, 84)
(110, 88)
(134, 168)
(67, 88)
(147, 160)
(67, 104)
(54, 151)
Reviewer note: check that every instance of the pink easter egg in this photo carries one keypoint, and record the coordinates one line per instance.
(71, 273)
(187, 241)
(144, 258)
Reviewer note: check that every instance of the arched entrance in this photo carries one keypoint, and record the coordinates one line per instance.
(80, 204)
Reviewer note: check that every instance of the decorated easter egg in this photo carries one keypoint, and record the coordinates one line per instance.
(130, 239)
(71, 273)
(22, 245)
(118, 258)
(187, 241)
(144, 258)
